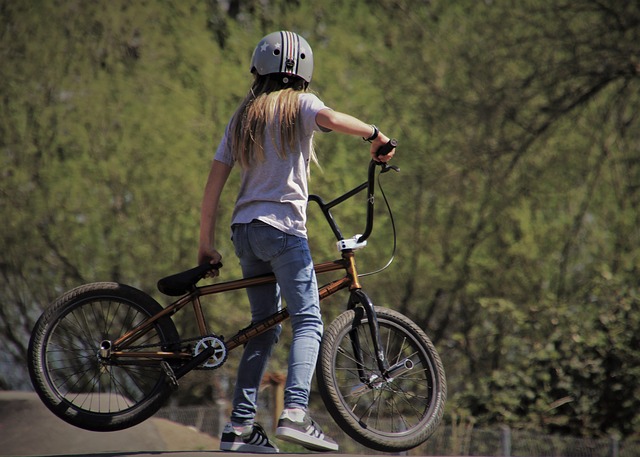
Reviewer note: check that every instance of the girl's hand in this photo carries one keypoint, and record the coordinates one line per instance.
(209, 255)
(376, 144)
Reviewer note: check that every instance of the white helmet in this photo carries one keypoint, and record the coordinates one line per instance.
(283, 52)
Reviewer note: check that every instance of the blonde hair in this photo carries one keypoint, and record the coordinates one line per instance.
(272, 102)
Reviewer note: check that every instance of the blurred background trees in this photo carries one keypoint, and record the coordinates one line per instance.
(518, 203)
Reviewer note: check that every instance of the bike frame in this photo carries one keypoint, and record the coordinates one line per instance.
(118, 348)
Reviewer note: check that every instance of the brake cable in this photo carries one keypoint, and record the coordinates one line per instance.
(385, 169)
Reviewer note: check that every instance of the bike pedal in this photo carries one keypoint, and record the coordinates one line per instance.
(171, 377)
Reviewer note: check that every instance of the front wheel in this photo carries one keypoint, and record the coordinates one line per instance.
(78, 384)
(388, 413)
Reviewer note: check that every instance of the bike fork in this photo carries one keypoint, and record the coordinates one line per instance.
(359, 297)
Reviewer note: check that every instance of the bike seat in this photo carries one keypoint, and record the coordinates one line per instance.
(181, 283)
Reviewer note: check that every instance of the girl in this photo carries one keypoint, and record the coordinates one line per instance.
(270, 137)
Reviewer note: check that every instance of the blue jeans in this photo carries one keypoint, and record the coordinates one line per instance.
(265, 249)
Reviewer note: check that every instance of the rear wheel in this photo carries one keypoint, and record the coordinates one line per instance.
(78, 383)
(387, 414)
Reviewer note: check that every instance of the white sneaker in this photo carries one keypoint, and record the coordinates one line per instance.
(247, 439)
(296, 426)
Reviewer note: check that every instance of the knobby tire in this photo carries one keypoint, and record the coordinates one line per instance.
(386, 416)
(72, 380)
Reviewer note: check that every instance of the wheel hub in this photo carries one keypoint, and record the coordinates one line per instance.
(104, 353)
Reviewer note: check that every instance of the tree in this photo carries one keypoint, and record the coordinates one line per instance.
(99, 102)
(517, 205)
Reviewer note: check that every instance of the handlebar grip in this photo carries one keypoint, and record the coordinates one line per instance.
(387, 148)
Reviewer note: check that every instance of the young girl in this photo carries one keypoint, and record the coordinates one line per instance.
(270, 137)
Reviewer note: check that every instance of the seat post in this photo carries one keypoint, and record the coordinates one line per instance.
(200, 319)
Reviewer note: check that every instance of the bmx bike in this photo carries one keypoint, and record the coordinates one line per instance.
(106, 356)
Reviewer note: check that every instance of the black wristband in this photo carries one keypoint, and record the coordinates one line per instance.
(374, 135)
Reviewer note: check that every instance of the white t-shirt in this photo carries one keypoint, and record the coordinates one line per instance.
(275, 191)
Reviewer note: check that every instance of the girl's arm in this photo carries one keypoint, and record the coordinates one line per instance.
(345, 123)
(209, 211)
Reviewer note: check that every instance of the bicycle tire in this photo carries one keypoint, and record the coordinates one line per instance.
(71, 379)
(389, 416)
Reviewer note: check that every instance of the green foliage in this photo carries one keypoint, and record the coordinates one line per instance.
(517, 205)
(579, 378)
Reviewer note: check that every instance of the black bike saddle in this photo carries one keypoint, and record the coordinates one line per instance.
(181, 283)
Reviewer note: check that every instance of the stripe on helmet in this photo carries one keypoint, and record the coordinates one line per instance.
(290, 50)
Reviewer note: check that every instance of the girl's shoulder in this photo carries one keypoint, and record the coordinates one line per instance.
(310, 101)
(310, 106)
(309, 97)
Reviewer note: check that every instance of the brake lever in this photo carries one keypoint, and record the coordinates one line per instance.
(386, 167)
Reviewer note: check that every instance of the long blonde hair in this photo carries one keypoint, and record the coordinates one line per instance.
(272, 101)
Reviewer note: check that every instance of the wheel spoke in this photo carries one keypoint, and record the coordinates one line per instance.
(99, 394)
(385, 414)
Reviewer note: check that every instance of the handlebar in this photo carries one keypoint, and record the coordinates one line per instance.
(369, 185)
(383, 150)
(387, 148)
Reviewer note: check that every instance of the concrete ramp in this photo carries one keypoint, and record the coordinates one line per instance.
(28, 428)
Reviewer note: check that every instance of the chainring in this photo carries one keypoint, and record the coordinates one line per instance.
(218, 357)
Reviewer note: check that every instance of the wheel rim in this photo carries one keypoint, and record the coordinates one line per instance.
(392, 408)
(75, 370)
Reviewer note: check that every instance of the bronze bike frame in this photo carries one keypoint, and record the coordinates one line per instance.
(118, 349)
(120, 345)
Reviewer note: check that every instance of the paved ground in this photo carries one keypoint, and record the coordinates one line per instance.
(28, 428)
